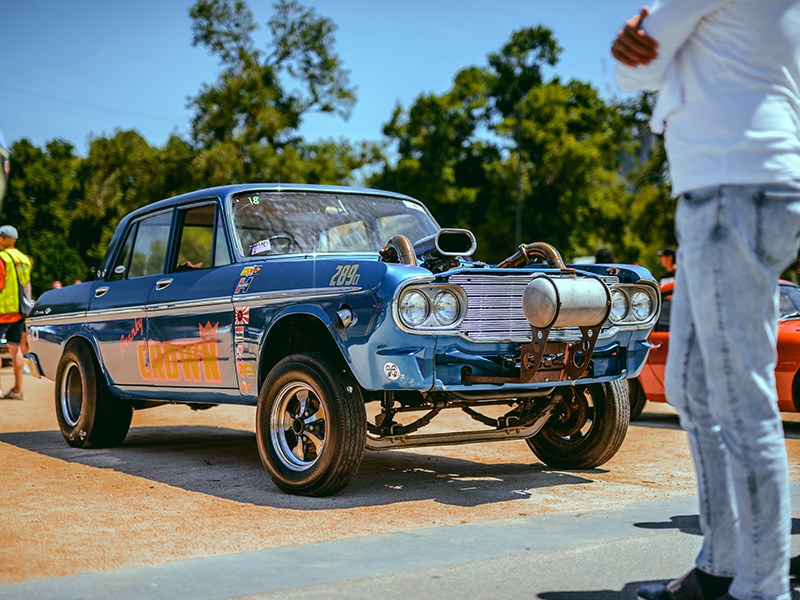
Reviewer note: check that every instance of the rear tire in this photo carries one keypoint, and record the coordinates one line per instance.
(311, 425)
(88, 416)
(587, 428)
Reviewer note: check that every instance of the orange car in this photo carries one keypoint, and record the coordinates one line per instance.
(650, 383)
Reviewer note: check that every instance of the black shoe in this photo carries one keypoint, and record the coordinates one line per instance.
(694, 585)
(794, 566)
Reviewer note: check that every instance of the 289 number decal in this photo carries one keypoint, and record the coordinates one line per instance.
(345, 275)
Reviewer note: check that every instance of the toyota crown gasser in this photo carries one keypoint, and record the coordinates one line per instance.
(351, 320)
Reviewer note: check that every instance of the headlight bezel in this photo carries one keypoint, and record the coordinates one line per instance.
(433, 321)
(629, 291)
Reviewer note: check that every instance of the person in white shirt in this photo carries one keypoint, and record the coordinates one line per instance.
(728, 77)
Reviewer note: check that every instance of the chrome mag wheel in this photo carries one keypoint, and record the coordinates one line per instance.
(298, 426)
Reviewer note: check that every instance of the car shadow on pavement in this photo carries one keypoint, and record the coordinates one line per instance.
(657, 419)
(224, 463)
(791, 429)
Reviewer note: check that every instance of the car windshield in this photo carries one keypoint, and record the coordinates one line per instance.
(313, 222)
(789, 300)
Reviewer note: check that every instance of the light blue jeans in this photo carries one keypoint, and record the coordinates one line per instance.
(733, 242)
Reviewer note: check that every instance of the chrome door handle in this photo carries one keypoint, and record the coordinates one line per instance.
(162, 283)
(101, 291)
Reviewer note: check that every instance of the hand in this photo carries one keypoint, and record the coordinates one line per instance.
(633, 47)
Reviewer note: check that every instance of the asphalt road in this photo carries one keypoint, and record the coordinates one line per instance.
(184, 510)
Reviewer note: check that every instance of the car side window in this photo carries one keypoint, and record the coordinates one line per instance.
(150, 246)
(123, 259)
(789, 300)
(201, 241)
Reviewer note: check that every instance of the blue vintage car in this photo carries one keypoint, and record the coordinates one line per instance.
(350, 319)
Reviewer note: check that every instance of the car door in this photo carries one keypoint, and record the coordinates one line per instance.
(117, 310)
(190, 309)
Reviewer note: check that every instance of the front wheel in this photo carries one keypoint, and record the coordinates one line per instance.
(87, 414)
(311, 425)
(637, 398)
(586, 429)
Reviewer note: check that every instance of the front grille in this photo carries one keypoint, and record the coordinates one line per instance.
(494, 309)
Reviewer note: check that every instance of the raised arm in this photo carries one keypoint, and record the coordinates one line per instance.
(648, 42)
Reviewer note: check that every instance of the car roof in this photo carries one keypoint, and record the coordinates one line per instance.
(224, 191)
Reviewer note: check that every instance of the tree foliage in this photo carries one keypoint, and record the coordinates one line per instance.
(505, 132)
(261, 96)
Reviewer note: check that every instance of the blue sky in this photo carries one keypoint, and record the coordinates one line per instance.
(80, 68)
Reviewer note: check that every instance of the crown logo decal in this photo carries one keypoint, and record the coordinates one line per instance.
(208, 330)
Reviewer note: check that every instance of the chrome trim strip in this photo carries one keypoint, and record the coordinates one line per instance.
(255, 299)
(128, 312)
(185, 305)
(41, 320)
(303, 294)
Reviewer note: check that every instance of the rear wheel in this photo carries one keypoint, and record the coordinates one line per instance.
(87, 414)
(637, 398)
(311, 425)
(587, 428)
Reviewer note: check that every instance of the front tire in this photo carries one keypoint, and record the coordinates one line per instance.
(587, 428)
(311, 425)
(87, 414)
(637, 398)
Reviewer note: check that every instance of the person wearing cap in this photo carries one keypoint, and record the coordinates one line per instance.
(667, 258)
(15, 272)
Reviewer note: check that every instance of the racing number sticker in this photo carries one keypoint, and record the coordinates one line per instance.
(345, 275)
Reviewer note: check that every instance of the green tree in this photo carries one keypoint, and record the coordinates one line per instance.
(648, 202)
(42, 195)
(122, 173)
(459, 152)
(252, 101)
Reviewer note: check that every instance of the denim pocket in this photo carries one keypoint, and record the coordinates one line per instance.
(697, 213)
(702, 195)
(777, 227)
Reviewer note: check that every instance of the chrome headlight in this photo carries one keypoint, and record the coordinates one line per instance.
(619, 306)
(413, 308)
(431, 307)
(641, 305)
(446, 307)
(634, 304)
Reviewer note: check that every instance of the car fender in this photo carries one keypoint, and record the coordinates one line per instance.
(279, 322)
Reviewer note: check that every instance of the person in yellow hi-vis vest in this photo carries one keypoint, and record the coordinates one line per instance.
(15, 273)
